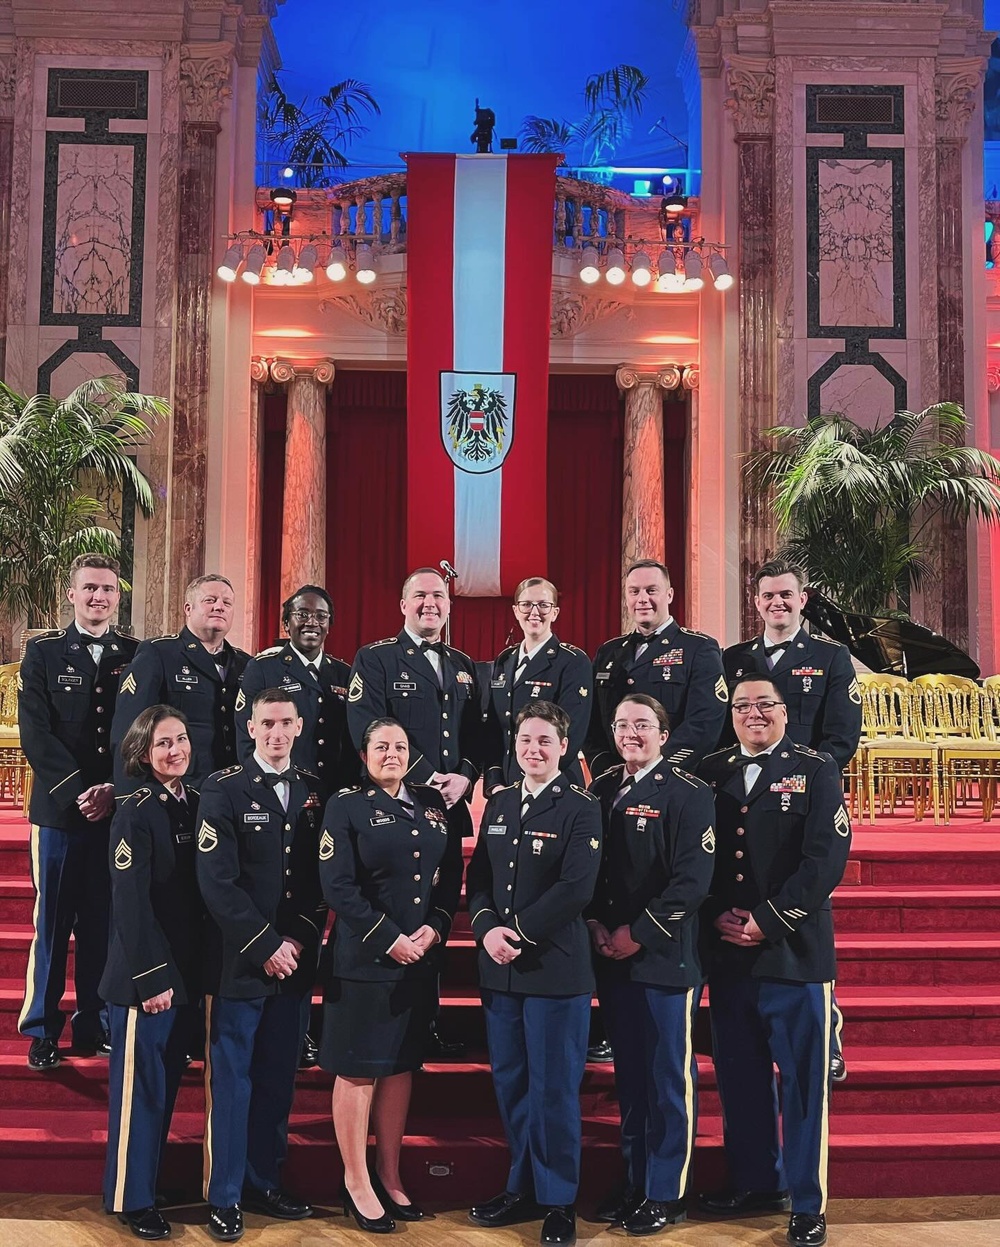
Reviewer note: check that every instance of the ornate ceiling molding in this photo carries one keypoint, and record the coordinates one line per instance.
(956, 94)
(282, 371)
(205, 75)
(666, 377)
(751, 99)
(573, 311)
(383, 308)
(8, 78)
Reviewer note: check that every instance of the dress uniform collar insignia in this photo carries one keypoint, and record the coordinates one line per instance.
(163, 796)
(288, 658)
(74, 646)
(370, 792)
(732, 758)
(801, 645)
(755, 646)
(185, 670)
(403, 675)
(499, 818)
(556, 788)
(550, 651)
(785, 753)
(411, 650)
(193, 645)
(257, 779)
(254, 805)
(657, 777)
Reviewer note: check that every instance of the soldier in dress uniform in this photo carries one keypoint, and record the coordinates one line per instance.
(817, 681)
(66, 698)
(783, 835)
(318, 685)
(680, 668)
(540, 667)
(152, 981)
(258, 869)
(531, 877)
(195, 670)
(659, 847)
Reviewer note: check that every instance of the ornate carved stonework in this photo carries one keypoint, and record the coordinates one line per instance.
(574, 312)
(955, 98)
(258, 369)
(666, 378)
(691, 377)
(8, 75)
(993, 379)
(205, 87)
(283, 371)
(751, 101)
(382, 309)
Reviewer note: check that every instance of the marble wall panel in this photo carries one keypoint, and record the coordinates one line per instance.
(855, 242)
(859, 392)
(93, 230)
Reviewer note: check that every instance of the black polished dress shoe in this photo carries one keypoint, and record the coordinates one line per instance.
(618, 1206)
(371, 1225)
(507, 1208)
(43, 1054)
(99, 1043)
(439, 1049)
(309, 1056)
(559, 1227)
(402, 1212)
(806, 1229)
(600, 1052)
(654, 1215)
(744, 1203)
(838, 1068)
(275, 1203)
(226, 1224)
(148, 1223)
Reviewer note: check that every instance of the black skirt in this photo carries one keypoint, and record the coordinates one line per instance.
(371, 1030)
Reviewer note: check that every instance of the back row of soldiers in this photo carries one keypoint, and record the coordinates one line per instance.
(83, 686)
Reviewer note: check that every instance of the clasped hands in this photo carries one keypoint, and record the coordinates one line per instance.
(283, 963)
(97, 802)
(406, 949)
(736, 926)
(615, 945)
(451, 786)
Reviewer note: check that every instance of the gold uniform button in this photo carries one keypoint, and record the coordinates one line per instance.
(506, 911)
(288, 896)
(288, 848)
(515, 839)
(416, 852)
(511, 865)
(510, 887)
(288, 826)
(739, 853)
(416, 900)
(319, 700)
(744, 809)
(101, 749)
(416, 878)
(444, 714)
(101, 730)
(100, 709)
(739, 831)
(321, 742)
(739, 878)
(445, 752)
(631, 681)
(288, 872)
(415, 832)
(321, 720)
(446, 734)
(98, 690)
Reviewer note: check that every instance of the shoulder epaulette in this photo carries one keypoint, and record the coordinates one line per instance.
(123, 632)
(691, 632)
(195, 791)
(270, 651)
(389, 640)
(461, 653)
(583, 792)
(51, 636)
(505, 653)
(610, 771)
(141, 794)
(810, 753)
(822, 640)
(170, 636)
(687, 777)
(228, 772)
(307, 774)
(571, 649)
(344, 791)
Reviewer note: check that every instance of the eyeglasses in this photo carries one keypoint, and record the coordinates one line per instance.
(301, 616)
(543, 608)
(643, 728)
(764, 707)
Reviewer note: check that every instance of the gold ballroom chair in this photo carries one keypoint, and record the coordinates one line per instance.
(895, 760)
(960, 720)
(15, 774)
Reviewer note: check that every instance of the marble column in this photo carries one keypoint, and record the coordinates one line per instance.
(955, 98)
(643, 535)
(7, 75)
(204, 87)
(751, 103)
(303, 524)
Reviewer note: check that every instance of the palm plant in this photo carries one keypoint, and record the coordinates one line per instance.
(312, 136)
(856, 506)
(613, 98)
(56, 457)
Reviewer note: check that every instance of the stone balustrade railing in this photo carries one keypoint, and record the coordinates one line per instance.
(373, 210)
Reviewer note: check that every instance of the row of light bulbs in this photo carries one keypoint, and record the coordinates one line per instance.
(292, 270)
(668, 279)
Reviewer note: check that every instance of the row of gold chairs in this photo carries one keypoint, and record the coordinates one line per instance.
(932, 741)
(15, 774)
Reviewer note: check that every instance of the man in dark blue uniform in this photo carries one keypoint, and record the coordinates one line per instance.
(539, 667)
(196, 670)
(317, 684)
(816, 680)
(68, 682)
(783, 836)
(681, 669)
(431, 689)
(258, 869)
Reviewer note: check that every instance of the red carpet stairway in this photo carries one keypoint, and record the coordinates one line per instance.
(918, 923)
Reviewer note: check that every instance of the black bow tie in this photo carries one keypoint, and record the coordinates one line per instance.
(770, 649)
(274, 779)
(436, 646)
(748, 759)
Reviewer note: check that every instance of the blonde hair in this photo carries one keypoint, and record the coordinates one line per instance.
(531, 581)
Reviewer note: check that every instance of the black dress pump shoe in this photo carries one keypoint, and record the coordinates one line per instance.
(402, 1212)
(147, 1223)
(371, 1225)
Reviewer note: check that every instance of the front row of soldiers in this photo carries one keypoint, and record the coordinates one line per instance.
(72, 728)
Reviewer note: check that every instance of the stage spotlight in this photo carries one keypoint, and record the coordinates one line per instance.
(336, 265)
(722, 278)
(283, 197)
(590, 265)
(308, 257)
(673, 200)
(254, 263)
(615, 272)
(364, 264)
(693, 279)
(641, 275)
(285, 266)
(230, 265)
(666, 266)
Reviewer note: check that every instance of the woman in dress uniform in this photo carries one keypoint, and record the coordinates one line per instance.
(531, 876)
(152, 977)
(392, 872)
(659, 853)
(539, 667)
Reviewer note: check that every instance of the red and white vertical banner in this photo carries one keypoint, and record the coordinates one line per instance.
(479, 286)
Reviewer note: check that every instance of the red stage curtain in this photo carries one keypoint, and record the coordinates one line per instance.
(365, 507)
(676, 421)
(272, 484)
